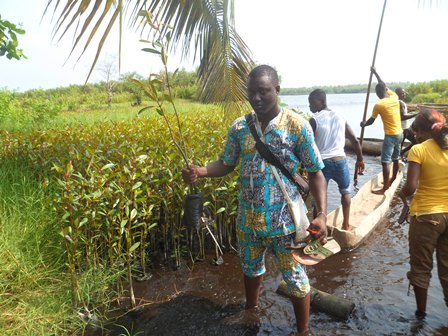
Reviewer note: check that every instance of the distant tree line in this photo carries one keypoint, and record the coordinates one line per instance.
(352, 88)
(96, 95)
(425, 92)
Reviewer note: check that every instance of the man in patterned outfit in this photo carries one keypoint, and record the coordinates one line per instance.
(264, 221)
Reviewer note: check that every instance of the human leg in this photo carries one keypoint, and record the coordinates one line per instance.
(346, 202)
(252, 288)
(302, 312)
(296, 279)
(395, 166)
(386, 158)
(442, 255)
(342, 178)
(423, 237)
(252, 250)
(386, 174)
(397, 139)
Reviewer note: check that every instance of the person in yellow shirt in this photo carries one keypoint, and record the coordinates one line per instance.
(428, 230)
(389, 109)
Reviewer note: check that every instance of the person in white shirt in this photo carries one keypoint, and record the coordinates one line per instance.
(408, 134)
(330, 131)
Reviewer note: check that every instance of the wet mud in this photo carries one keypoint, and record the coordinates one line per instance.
(208, 299)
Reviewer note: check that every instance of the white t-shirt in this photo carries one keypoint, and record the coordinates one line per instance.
(330, 133)
(405, 123)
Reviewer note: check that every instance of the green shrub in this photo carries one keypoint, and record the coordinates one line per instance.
(426, 98)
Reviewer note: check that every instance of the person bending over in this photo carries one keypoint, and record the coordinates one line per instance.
(330, 131)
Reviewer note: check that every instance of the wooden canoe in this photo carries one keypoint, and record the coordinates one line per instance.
(370, 146)
(366, 211)
(442, 108)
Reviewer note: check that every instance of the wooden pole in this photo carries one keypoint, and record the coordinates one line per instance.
(368, 88)
(324, 302)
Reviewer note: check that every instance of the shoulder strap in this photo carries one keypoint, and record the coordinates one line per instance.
(271, 158)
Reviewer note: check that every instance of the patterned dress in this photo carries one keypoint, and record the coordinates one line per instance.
(263, 210)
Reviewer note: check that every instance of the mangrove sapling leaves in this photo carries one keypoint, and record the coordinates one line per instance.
(134, 247)
(151, 50)
(136, 186)
(134, 213)
(164, 56)
(108, 166)
(222, 209)
(144, 41)
(123, 223)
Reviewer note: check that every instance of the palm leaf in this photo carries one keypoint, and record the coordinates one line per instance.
(202, 28)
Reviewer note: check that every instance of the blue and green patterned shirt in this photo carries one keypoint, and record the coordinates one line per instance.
(262, 207)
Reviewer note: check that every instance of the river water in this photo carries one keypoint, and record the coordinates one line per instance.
(349, 105)
(208, 299)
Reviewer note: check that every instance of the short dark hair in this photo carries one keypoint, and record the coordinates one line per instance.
(398, 90)
(262, 70)
(319, 94)
(380, 90)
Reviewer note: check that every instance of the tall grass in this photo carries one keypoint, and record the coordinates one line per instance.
(33, 281)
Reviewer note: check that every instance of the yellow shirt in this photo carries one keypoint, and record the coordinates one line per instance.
(389, 110)
(432, 190)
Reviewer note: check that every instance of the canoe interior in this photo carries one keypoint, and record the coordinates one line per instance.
(366, 211)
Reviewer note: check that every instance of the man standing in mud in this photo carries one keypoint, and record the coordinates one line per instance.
(264, 221)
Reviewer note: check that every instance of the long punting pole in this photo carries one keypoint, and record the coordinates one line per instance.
(368, 87)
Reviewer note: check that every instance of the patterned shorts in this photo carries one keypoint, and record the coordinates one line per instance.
(252, 251)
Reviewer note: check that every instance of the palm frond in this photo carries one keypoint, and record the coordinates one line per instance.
(201, 28)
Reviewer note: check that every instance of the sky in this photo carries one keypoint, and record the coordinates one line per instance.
(309, 42)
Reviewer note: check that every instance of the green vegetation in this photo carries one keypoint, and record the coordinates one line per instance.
(91, 199)
(8, 40)
(85, 205)
(204, 29)
(431, 92)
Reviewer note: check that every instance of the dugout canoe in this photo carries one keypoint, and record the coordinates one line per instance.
(366, 212)
(442, 108)
(370, 146)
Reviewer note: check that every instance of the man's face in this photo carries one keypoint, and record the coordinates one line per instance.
(315, 104)
(402, 94)
(262, 95)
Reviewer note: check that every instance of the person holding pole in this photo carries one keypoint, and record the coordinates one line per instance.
(264, 222)
(330, 131)
(389, 109)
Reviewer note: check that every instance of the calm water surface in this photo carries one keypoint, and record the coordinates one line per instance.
(350, 105)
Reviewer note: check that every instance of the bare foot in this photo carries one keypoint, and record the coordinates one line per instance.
(347, 227)
(379, 191)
